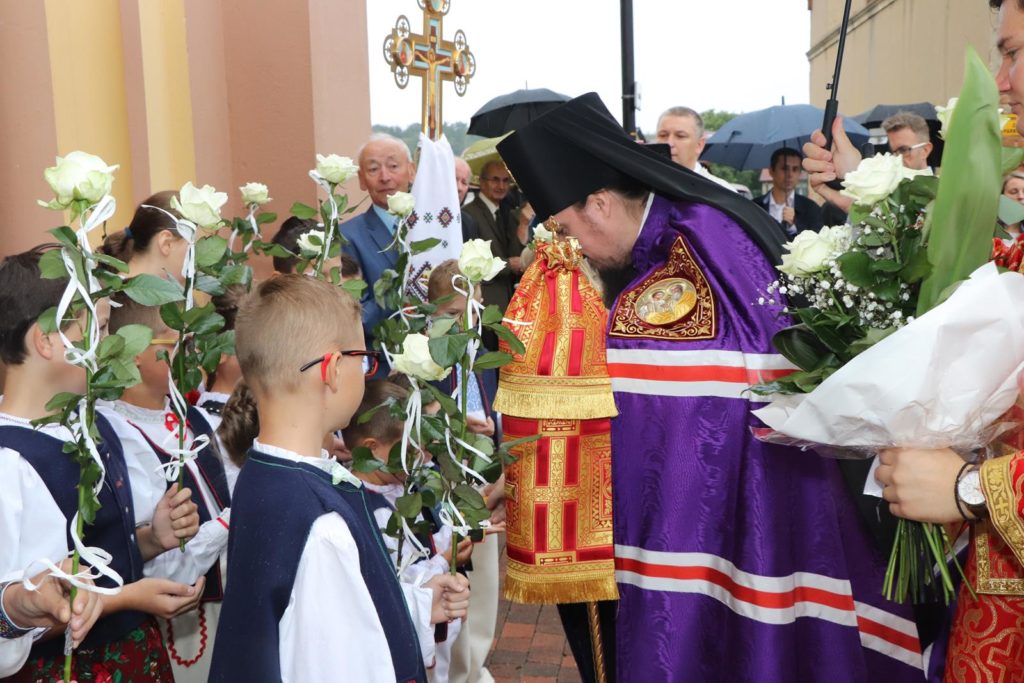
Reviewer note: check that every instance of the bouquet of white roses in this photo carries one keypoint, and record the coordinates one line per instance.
(889, 351)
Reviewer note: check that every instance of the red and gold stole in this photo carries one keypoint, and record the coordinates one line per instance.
(558, 492)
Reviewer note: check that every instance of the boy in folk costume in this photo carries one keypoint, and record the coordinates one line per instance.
(719, 539)
(313, 595)
(147, 430)
(39, 499)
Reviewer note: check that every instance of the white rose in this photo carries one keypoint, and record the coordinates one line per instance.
(808, 253)
(415, 360)
(477, 263)
(542, 234)
(79, 176)
(335, 169)
(255, 193)
(875, 179)
(401, 204)
(310, 243)
(199, 205)
(945, 115)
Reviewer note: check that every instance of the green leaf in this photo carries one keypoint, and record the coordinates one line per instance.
(363, 460)
(136, 339)
(872, 337)
(509, 337)
(265, 217)
(960, 222)
(448, 349)
(62, 400)
(422, 246)
(917, 267)
(409, 505)
(237, 274)
(115, 263)
(66, 236)
(495, 359)
(48, 320)
(800, 346)
(209, 284)
(470, 496)
(441, 326)
(150, 290)
(112, 345)
(448, 404)
(171, 315)
(354, 287)
(303, 211)
(856, 268)
(886, 266)
(210, 250)
(51, 265)
(1010, 210)
(492, 315)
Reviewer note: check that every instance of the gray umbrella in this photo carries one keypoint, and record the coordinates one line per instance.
(873, 117)
(749, 139)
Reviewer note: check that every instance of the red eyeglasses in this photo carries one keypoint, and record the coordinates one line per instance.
(371, 361)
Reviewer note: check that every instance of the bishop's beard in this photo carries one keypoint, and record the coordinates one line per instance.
(614, 279)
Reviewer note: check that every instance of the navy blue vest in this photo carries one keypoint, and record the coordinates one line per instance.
(114, 526)
(211, 468)
(276, 502)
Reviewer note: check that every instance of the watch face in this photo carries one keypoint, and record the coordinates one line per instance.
(969, 489)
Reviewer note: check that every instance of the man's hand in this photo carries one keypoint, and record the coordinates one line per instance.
(478, 426)
(175, 518)
(160, 597)
(515, 263)
(789, 215)
(451, 598)
(824, 165)
(49, 606)
(919, 484)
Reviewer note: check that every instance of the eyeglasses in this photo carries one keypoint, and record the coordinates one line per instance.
(904, 150)
(371, 361)
(497, 179)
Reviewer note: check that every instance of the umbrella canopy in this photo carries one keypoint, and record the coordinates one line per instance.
(872, 118)
(480, 153)
(505, 113)
(749, 139)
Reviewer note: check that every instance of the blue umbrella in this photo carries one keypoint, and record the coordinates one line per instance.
(749, 139)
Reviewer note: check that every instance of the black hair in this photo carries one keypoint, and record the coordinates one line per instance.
(146, 224)
(24, 295)
(288, 237)
(782, 153)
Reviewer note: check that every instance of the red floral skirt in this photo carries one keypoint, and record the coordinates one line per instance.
(139, 657)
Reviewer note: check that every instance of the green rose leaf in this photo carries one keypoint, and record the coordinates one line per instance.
(265, 217)
(171, 314)
(150, 290)
(210, 250)
(441, 326)
(495, 359)
(448, 349)
(856, 268)
(363, 460)
(409, 505)
(303, 211)
(509, 337)
(136, 339)
(51, 265)
(355, 288)
(421, 246)
(209, 284)
(115, 263)
(492, 315)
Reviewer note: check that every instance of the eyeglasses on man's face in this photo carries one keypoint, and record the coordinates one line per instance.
(907, 149)
(370, 359)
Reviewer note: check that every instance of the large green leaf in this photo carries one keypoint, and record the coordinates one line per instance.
(963, 217)
(800, 346)
(210, 250)
(150, 290)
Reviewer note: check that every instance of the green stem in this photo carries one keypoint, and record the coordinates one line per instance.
(464, 375)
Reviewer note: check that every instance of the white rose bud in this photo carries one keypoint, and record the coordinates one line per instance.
(78, 176)
(335, 169)
(199, 205)
(874, 179)
(255, 193)
(945, 115)
(808, 253)
(310, 243)
(401, 204)
(542, 234)
(477, 263)
(415, 360)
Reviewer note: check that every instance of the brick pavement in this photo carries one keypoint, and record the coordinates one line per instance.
(530, 646)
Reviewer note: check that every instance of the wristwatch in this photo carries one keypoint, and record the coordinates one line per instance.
(969, 493)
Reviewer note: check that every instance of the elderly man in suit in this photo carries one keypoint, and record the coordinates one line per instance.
(385, 167)
(794, 212)
(498, 223)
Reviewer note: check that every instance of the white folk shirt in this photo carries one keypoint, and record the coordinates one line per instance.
(330, 623)
(776, 209)
(32, 528)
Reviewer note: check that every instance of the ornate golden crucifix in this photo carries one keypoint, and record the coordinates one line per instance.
(430, 57)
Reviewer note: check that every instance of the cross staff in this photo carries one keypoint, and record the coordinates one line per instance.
(432, 58)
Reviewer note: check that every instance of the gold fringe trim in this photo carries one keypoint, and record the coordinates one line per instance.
(531, 397)
(997, 482)
(535, 592)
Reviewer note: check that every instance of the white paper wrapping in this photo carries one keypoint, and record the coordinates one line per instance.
(940, 382)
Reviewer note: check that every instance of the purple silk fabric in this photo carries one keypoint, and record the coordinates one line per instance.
(689, 478)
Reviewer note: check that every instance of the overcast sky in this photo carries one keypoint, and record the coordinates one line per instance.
(739, 55)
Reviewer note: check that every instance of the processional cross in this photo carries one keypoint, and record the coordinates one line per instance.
(432, 58)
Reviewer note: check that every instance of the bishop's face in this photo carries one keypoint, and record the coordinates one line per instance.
(605, 238)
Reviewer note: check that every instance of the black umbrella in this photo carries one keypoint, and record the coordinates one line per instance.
(873, 118)
(505, 113)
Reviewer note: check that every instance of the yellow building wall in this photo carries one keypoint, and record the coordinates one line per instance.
(897, 51)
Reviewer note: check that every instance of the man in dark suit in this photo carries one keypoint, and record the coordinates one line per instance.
(794, 212)
(385, 167)
(498, 223)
